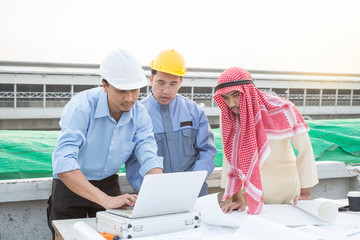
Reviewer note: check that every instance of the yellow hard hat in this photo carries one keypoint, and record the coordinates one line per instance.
(169, 61)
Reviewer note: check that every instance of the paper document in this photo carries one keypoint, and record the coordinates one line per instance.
(326, 211)
(257, 228)
(83, 231)
(211, 212)
(315, 212)
(340, 203)
(248, 227)
(192, 234)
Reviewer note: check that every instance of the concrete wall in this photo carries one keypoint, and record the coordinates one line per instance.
(335, 180)
(24, 220)
(23, 202)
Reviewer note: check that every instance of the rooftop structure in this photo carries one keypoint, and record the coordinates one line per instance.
(32, 94)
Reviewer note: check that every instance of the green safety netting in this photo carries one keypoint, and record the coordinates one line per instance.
(27, 154)
(336, 140)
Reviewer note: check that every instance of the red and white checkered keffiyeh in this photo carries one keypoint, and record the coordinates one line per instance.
(245, 137)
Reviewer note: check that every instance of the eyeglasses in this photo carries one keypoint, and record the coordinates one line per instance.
(173, 87)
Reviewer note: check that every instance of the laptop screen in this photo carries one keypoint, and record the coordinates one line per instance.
(168, 193)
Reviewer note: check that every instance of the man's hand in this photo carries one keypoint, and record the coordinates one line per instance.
(120, 201)
(236, 203)
(240, 206)
(305, 194)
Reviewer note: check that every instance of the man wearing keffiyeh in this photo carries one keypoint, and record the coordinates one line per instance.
(257, 128)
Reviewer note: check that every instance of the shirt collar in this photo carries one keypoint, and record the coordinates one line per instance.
(102, 108)
(154, 101)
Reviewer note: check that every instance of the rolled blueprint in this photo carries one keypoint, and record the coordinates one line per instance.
(83, 231)
(325, 210)
(211, 212)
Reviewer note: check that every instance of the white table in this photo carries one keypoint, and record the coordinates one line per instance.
(347, 224)
(63, 227)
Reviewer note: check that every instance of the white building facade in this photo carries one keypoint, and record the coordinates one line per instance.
(32, 94)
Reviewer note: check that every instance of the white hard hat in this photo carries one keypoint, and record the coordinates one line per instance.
(121, 69)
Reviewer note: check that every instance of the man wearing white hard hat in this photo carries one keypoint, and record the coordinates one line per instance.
(100, 128)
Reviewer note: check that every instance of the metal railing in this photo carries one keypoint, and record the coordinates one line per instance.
(32, 99)
(40, 86)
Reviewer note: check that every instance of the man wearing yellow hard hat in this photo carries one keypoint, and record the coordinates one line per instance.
(100, 128)
(181, 128)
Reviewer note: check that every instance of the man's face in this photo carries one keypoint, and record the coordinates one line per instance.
(232, 100)
(120, 100)
(165, 86)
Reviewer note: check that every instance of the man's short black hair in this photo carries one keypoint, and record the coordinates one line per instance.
(153, 72)
(106, 82)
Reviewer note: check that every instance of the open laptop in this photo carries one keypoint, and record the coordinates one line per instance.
(165, 194)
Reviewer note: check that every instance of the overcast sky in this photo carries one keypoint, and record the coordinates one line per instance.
(299, 35)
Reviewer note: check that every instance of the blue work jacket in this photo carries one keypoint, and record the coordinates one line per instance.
(183, 136)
